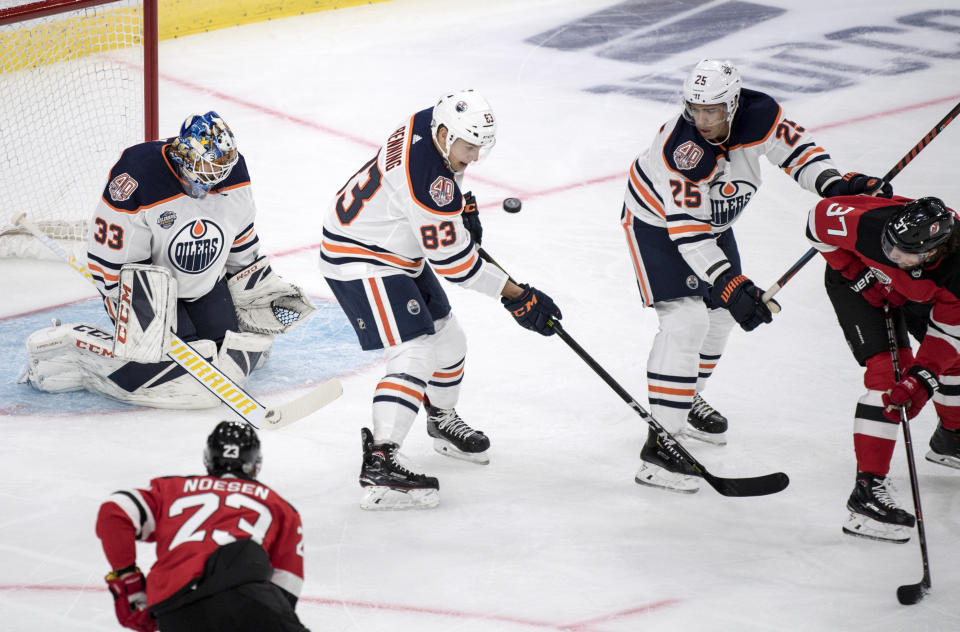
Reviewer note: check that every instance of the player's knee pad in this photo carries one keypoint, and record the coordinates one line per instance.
(718, 331)
(684, 322)
(450, 342)
(947, 399)
(421, 356)
(879, 375)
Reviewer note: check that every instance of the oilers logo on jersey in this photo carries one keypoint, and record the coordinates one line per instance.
(728, 199)
(196, 247)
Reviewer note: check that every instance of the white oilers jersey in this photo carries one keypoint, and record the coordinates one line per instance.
(400, 212)
(695, 190)
(144, 216)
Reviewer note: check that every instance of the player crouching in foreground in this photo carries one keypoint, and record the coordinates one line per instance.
(172, 246)
(229, 548)
(903, 253)
(395, 223)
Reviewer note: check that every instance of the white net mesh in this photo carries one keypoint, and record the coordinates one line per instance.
(71, 89)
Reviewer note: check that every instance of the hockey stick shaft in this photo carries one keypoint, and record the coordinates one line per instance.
(757, 486)
(909, 593)
(890, 175)
(205, 372)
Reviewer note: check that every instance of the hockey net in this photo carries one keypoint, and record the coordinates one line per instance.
(77, 85)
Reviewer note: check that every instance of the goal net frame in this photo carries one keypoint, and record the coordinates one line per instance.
(97, 47)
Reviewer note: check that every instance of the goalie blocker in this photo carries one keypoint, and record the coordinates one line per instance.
(265, 303)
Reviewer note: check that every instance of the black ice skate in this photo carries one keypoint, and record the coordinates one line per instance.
(945, 447)
(388, 483)
(454, 438)
(705, 423)
(662, 467)
(874, 514)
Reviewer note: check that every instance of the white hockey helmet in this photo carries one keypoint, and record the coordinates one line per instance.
(712, 82)
(468, 116)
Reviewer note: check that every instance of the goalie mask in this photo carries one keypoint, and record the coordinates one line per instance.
(233, 448)
(712, 82)
(465, 115)
(205, 151)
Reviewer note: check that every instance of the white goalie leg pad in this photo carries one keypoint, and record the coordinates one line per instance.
(382, 498)
(78, 356)
(53, 365)
(146, 313)
(265, 303)
(242, 353)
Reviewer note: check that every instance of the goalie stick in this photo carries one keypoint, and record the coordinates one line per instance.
(909, 594)
(207, 374)
(754, 486)
(890, 175)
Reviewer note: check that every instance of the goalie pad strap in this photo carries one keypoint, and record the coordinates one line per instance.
(146, 313)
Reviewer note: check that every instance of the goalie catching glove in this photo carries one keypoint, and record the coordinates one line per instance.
(265, 303)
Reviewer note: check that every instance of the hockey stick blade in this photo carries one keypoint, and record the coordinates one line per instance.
(912, 593)
(756, 486)
(313, 400)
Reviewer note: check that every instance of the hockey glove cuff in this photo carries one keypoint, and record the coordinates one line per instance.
(471, 217)
(868, 286)
(742, 298)
(855, 183)
(912, 391)
(129, 589)
(534, 310)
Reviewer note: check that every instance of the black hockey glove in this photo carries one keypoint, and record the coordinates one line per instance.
(855, 183)
(738, 294)
(471, 217)
(533, 309)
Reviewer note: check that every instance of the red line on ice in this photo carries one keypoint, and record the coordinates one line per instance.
(582, 626)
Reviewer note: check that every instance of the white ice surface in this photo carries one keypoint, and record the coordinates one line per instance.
(553, 534)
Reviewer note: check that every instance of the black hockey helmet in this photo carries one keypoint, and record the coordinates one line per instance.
(918, 227)
(234, 448)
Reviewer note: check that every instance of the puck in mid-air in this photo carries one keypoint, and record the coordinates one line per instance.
(512, 205)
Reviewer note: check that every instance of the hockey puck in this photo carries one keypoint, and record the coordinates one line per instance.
(512, 205)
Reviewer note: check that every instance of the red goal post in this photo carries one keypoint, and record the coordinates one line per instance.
(78, 84)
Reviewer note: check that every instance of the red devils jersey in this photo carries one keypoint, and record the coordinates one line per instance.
(189, 517)
(849, 229)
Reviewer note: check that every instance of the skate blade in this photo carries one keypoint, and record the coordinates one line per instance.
(941, 459)
(707, 437)
(447, 449)
(863, 527)
(660, 478)
(382, 498)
